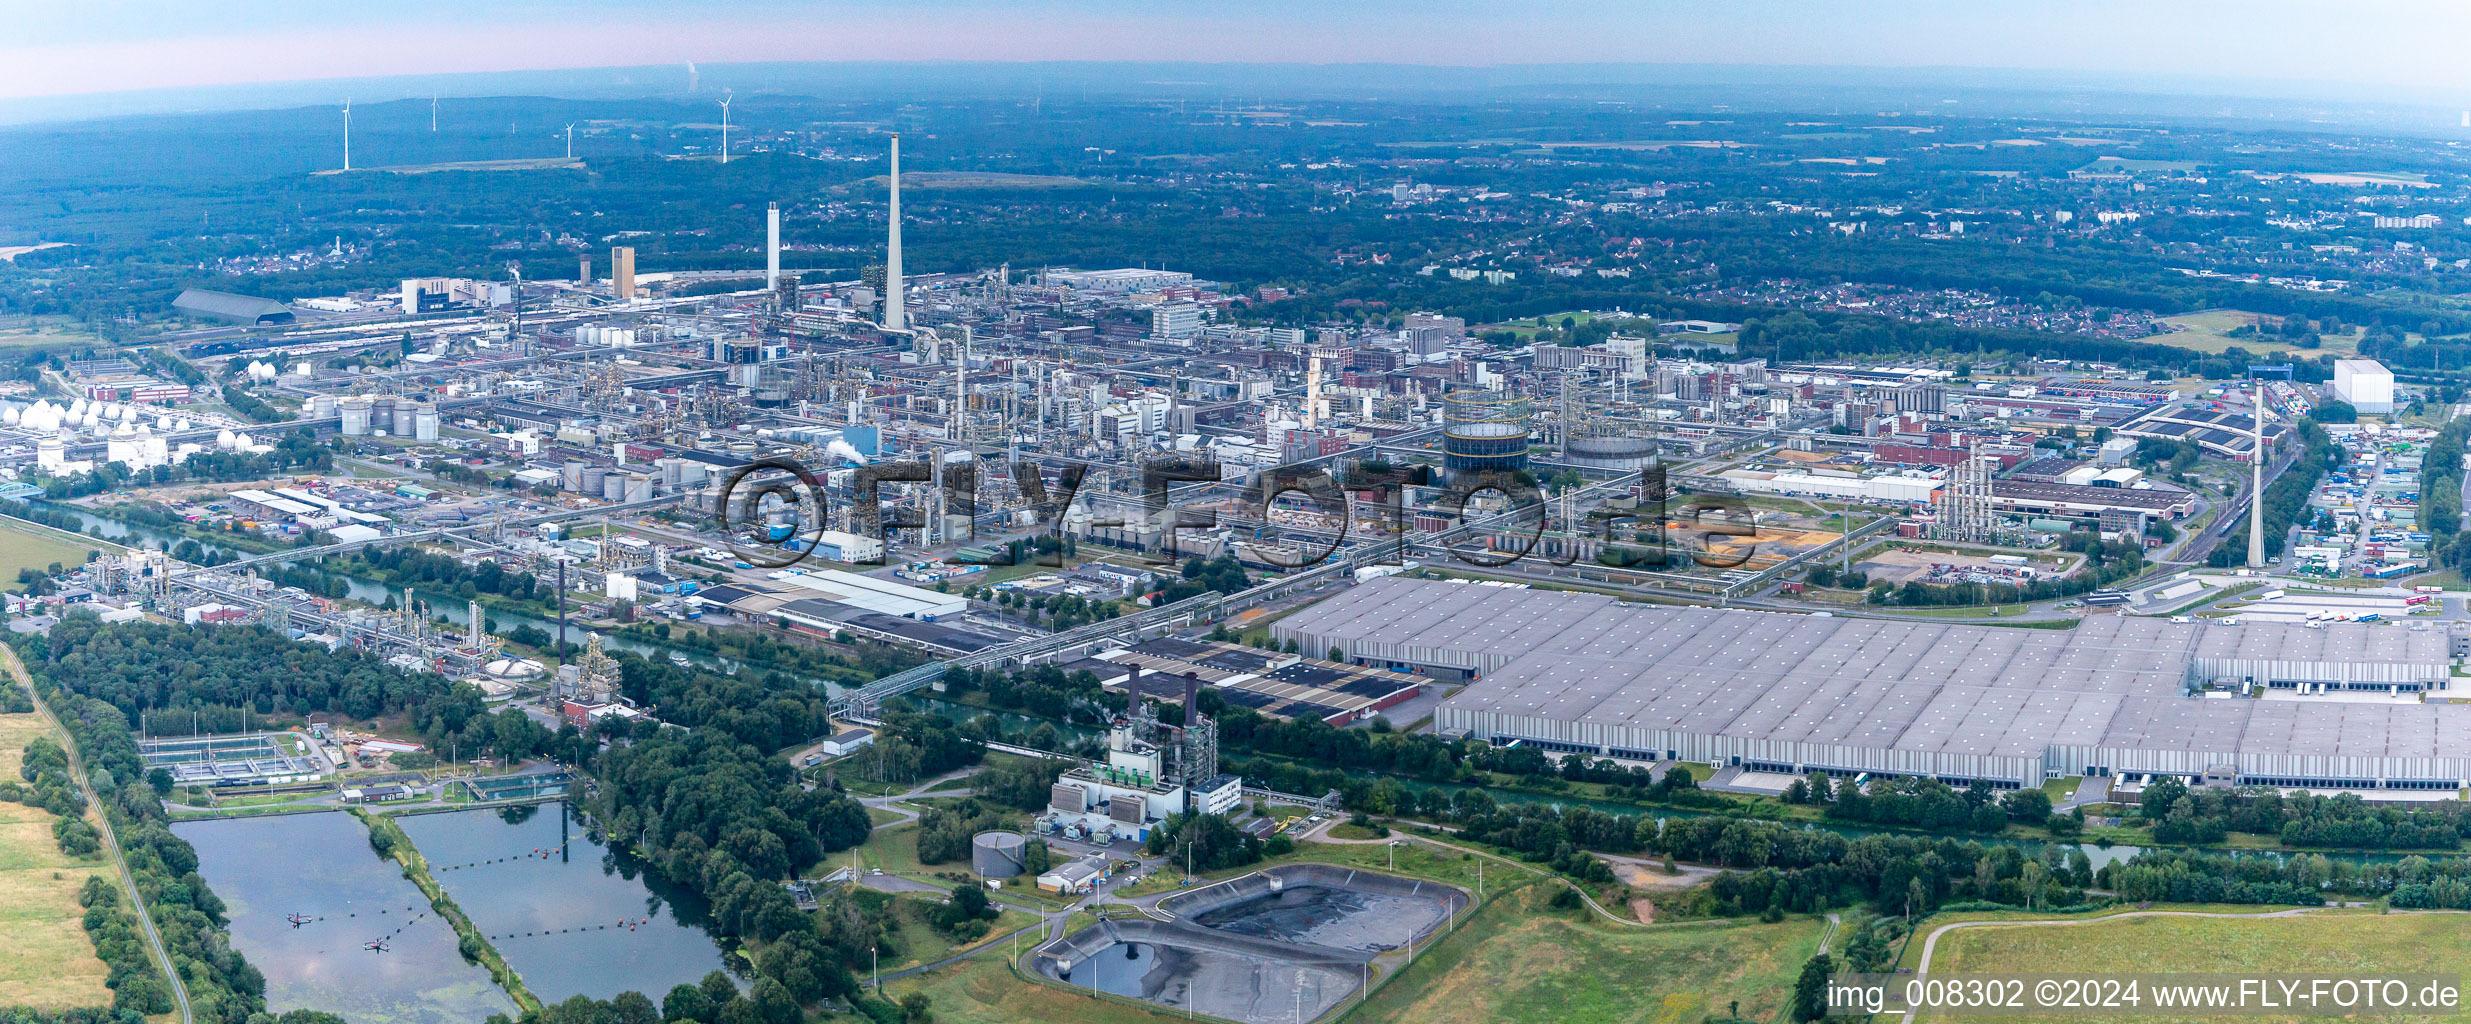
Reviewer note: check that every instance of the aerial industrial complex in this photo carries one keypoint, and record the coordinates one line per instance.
(1577, 673)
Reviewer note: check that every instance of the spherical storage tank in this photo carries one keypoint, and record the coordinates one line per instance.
(1484, 431)
(999, 854)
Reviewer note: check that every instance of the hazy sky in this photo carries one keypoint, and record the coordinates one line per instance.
(2412, 49)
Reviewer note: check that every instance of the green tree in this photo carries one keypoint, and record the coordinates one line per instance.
(1810, 995)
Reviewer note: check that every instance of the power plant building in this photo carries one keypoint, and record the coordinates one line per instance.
(1586, 674)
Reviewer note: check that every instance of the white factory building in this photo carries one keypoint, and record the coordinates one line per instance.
(1580, 673)
(876, 595)
(1914, 487)
(2366, 384)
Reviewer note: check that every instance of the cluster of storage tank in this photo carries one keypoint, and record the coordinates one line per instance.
(606, 484)
(97, 418)
(668, 476)
(380, 415)
(613, 337)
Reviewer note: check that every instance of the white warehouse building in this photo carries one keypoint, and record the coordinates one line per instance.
(2366, 384)
(1582, 673)
(1911, 487)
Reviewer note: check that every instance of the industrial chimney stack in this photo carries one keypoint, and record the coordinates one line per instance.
(896, 317)
(2256, 489)
(772, 248)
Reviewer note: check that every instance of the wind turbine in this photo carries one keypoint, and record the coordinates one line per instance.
(433, 112)
(570, 142)
(725, 127)
(347, 133)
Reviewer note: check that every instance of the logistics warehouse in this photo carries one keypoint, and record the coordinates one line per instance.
(1581, 673)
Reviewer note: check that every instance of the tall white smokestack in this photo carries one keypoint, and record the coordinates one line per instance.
(1312, 393)
(895, 316)
(2256, 489)
(772, 247)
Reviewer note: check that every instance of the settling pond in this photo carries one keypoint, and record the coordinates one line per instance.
(1287, 944)
(570, 916)
(321, 867)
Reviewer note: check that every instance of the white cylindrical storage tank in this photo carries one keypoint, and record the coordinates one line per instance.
(591, 480)
(402, 420)
(354, 412)
(381, 412)
(571, 475)
(425, 421)
(999, 854)
(613, 486)
(638, 487)
(322, 407)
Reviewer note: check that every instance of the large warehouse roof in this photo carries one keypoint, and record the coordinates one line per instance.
(1589, 672)
(247, 309)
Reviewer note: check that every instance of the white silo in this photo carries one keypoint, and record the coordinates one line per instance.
(354, 412)
(425, 421)
(402, 419)
(322, 407)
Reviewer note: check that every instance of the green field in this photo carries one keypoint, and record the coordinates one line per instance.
(2316, 943)
(20, 334)
(46, 961)
(1526, 327)
(919, 942)
(894, 851)
(2208, 332)
(1518, 961)
(27, 546)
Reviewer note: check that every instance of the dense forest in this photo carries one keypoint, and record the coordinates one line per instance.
(2182, 815)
